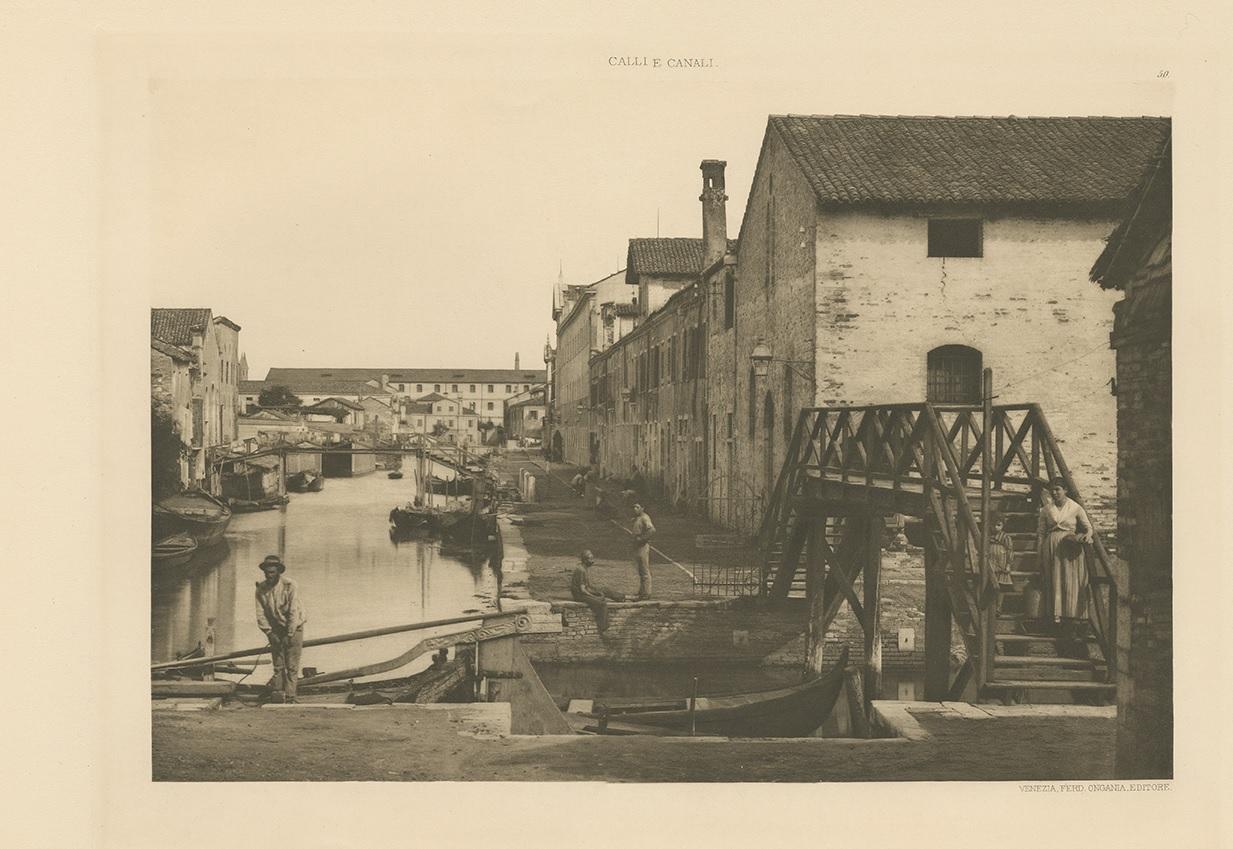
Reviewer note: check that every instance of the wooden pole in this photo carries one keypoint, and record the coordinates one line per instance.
(815, 581)
(873, 619)
(989, 610)
(937, 620)
(855, 696)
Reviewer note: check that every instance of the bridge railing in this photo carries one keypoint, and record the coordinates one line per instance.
(936, 450)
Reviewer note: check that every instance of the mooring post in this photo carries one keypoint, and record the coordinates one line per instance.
(872, 592)
(815, 581)
(693, 707)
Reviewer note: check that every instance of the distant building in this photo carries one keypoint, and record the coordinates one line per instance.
(579, 312)
(1138, 261)
(213, 343)
(341, 410)
(486, 390)
(447, 419)
(524, 415)
(171, 388)
(249, 394)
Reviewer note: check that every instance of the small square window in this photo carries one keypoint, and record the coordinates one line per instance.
(490, 405)
(454, 387)
(490, 387)
(955, 237)
(472, 387)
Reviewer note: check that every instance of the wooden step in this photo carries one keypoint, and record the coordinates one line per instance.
(1051, 685)
(1051, 662)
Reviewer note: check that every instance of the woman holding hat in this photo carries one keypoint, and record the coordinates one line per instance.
(1063, 531)
(281, 616)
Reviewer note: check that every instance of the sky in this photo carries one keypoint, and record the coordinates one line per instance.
(418, 214)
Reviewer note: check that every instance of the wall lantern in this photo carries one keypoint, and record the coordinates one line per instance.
(761, 358)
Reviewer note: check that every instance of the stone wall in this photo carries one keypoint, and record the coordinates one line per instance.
(1026, 304)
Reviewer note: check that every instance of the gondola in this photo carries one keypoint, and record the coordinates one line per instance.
(306, 482)
(173, 551)
(788, 712)
(245, 505)
(197, 513)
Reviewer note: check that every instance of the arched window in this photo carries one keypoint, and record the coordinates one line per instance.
(953, 375)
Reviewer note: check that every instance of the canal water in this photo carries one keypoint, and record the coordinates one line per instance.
(351, 576)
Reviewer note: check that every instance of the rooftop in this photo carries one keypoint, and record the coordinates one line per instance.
(294, 377)
(173, 351)
(666, 257)
(852, 160)
(176, 325)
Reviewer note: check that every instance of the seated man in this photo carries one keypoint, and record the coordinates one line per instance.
(593, 596)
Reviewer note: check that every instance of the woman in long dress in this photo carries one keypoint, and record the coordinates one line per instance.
(1063, 531)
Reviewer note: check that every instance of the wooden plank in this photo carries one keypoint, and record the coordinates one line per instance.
(938, 623)
(791, 557)
(872, 581)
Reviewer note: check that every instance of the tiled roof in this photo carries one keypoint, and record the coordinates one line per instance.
(250, 387)
(419, 407)
(326, 387)
(293, 377)
(624, 309)
(173, 351)
(669, 257)
(434, 396)
(1149, 211)
(338, 402)
(177, 325)
(863, 159)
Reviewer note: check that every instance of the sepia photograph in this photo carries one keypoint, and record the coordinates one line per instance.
(648, 427)
(873, 460)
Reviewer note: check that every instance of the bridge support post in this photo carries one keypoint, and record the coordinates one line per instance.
(937, 623)
(815, 580)
(871, 582)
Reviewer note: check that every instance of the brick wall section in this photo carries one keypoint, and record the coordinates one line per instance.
(1145, 498)
(720, 630)
(882, 304)
(778, 309)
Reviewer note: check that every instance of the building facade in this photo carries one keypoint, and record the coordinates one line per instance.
(212, 342)
(1138, 263)
(525, 415)
(880, 260)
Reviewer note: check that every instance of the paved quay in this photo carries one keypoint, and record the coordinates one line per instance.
(437, 743)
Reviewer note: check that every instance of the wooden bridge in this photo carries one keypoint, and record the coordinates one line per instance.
(950, 466)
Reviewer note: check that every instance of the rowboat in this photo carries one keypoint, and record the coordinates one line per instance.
(173, 551)
(306, 482)
(787, 712)
(395, 475)
(197, 513)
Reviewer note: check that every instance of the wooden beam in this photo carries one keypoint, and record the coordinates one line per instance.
(791, 557)
(816, 551)
(873, 620)
(938, 622)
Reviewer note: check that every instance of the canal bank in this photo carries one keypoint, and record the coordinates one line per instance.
(436, 743)
(684, 622)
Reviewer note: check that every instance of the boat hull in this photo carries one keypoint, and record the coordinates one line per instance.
(197, 514)
(303, 482)
(789, 712)
(173, 551)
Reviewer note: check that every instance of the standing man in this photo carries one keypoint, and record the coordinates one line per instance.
(281, 617)
(643, 529)
(592, 595)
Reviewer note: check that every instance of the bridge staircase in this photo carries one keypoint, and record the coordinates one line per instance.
(945, 467)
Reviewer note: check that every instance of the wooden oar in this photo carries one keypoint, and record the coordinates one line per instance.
(340, 638)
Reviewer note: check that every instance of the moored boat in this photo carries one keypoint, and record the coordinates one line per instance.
(173, 551)
(410, 518)
(395, 475)
(787, 712)
(197, 513)
(306, 482)
(245, 505)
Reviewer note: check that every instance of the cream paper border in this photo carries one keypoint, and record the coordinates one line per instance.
(84, 75)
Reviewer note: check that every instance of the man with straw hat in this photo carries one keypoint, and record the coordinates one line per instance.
(281, 617)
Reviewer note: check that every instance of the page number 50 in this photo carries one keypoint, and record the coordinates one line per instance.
(1160, 75)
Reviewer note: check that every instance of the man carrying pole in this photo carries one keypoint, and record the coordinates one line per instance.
(643, 529)
(281, 617)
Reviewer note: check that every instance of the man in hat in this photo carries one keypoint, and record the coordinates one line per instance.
(281, 617)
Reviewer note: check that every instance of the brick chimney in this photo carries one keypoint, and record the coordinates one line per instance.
(515, 361)
(714, 212)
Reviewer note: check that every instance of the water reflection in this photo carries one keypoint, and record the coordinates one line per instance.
(351, 574)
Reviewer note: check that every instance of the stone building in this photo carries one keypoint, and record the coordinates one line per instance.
(484, 389)
(1138, 263)
(213, 344)
(524, 415)
(581, 333)
(889, 259)
(171, 389)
